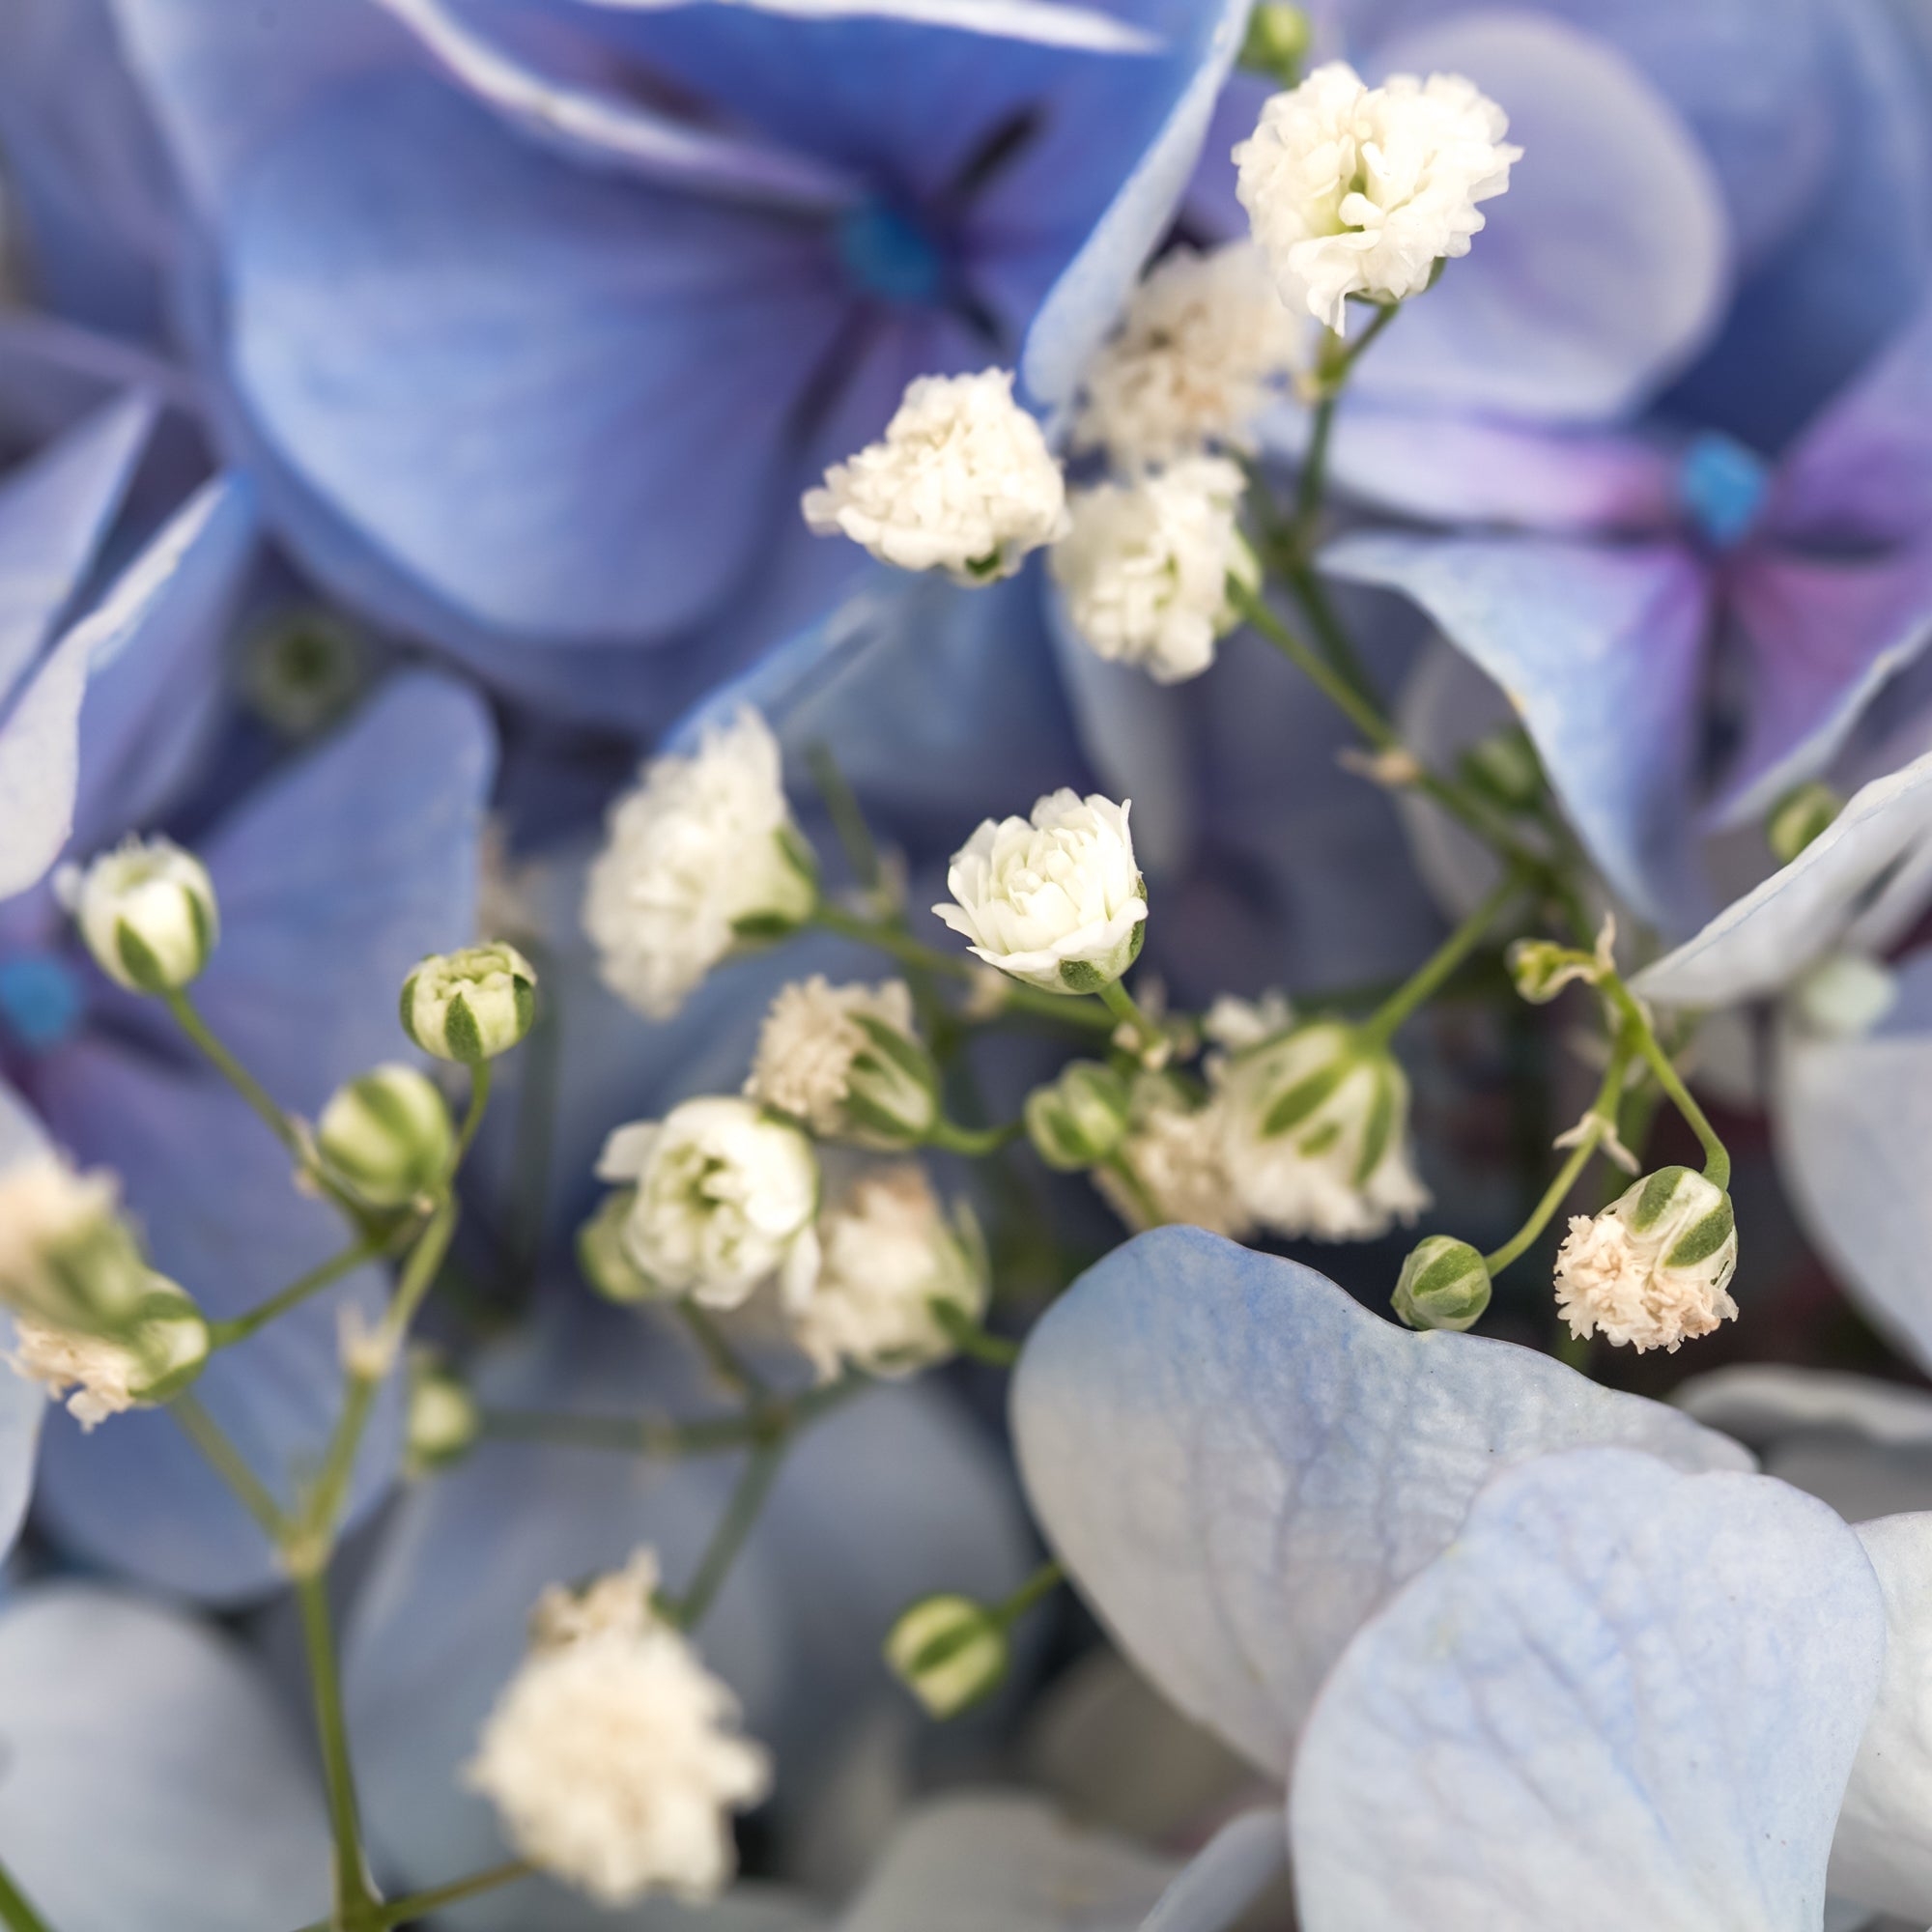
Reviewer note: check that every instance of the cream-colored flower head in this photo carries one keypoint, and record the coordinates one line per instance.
(614, 1757)
(962, 481)
(700, 858)
(889, 1252)
(104, 1376)
(1144, 566)
(1205, 343)
(1315, 1135)
(848, 1061)
(1058, 900)
(1654, 1269)
(1355, 190)
(1176, 1170)
(725, 1198)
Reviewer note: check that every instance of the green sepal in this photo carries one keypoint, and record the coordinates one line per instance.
(461, 1035)
(1655, 1198)
(762, 928)
(1381, 1127)
(137, 960)
(1703, 1238)
(1302, 1101)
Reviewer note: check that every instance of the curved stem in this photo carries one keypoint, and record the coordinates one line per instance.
(1380, 1028)
(1716, 1156)
(15, 1911)
(240, 1327)
(231, 1070)
(977, 1141)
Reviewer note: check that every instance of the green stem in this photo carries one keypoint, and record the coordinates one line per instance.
(240, 1327)
(755, 1484)
(231, 1070)
(226, 1461)
(1717, 1157)
(1336, 363)
(1121, 1004)
(479, 1099)
(726, 1364)
(848, 819)
(661, 1435)
(1380, 1028)
(351, 1886)
(978, 1141)
(401, 1910)
(1037, 1588)
(971, 1339)
(1136, 1191)
(15, 1911)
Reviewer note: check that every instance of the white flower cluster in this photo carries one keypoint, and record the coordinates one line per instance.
(614, 1755)
(1171, 1165)
(847, 1061)
(1199, 355)
(1357, 191)
(1144, 566)
(700, 858)
(102, 1375)
(962, 481)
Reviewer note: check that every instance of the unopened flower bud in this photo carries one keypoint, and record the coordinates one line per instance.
(1653, 1269)
(148, 914)
(1799, 817)
(1504, 766)
(443, 1421)
(1080, 1119)
(1278, 41)
(1541, 968)
(950, 1652)
(846, 1061)
(1444, 1284)
(471, 1005)
(387, 1135)
(603, 1258)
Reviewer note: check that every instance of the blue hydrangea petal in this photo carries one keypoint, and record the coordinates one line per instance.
(1602, 653)
(1243, 1859)
(1623, 1696)
(23, 1403)
(1237, 1462)
(153, 1777)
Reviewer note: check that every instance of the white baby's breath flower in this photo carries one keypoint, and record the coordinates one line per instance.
(889, 1252)
(1234, 1023)
(614, 1757)
(1175, 1167)
(1144, 566)
(723, 1199)
(847, 1062)
(962, 482)
(1205, 342)
(147, 911)
(700, 858)
(102, 1375)
(1654, 1268)
(1354, 191)
(1315, 1134)
(1058, 901)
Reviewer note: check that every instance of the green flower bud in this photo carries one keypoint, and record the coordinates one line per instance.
(304, 668)
(1277, 43)
(603, 1258)
(1443, 1284)
(387, 1135)
(1799, 817)
(950, 1652)
(443, 1420)
(1081, 1119)
(148, 914)
(471, 1005)
(1504, 767)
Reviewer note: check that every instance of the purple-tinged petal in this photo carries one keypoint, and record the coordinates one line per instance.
(54, 514)
(213, 1192)
(549, 394)
(1622, 1696)
(1823, 636)
(153, 1780)
(1808, 909)
(1237, 1462)
(1087, 299)
(337, 876)
(1602, 653)
(1050, 23)
(1576, 303)
(53, 372)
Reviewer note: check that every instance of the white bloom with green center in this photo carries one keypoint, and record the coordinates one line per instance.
(1056, 901)
(962, 481)
(1144, 567)
(1355, 190)
(471, 1005)
(699, 858)
(1654, 1269)
(614, 1757)
(1201, 354)
(1315, 1134)
(387, 1134)
(723, 1196)
(148, 913)
(848, 1061)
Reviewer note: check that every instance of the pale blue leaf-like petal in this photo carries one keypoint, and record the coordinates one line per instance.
(1602, 652)
(1245, 1856)
(1048, 22)
(1622, 1696)
(1882, 1854)
(23, 1403)
(1237, 1462)
(1807, 909)
(152, 1778)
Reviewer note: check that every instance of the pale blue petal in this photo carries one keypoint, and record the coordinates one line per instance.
(1241, 1861)
(213, 1193)
(1087, 299)
(1602, 652)
(54, 514)
(23, 1403)
(1766, 939)
(1882, 1854)
(1049, 22)
(1237, 1462)
(1575, 303)
(152, 1780)
(1854, 1126)
(1622, 1696)
(341, 873)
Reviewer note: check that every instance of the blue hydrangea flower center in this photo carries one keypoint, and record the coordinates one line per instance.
(889, 256)
(40, 1001)
(1723, 486)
